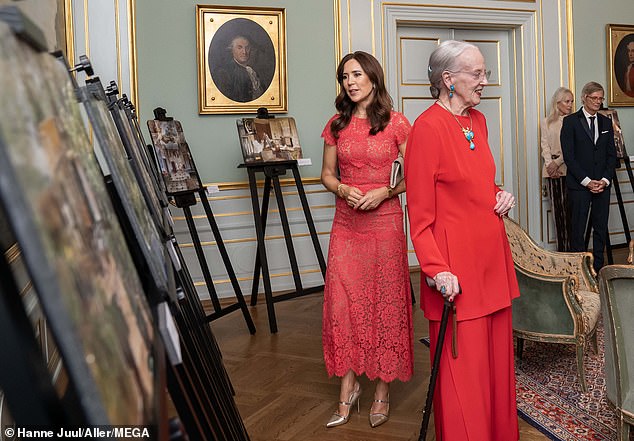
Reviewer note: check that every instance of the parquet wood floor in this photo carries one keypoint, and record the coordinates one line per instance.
(284, 394)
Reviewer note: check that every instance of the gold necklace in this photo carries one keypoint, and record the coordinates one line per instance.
(466, 131)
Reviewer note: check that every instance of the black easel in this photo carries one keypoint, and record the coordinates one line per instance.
(272, 171)
(184, 201)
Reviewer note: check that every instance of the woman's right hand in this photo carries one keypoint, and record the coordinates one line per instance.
(447, 282)
(351, 195)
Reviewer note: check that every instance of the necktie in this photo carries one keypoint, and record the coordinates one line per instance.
(592, 127)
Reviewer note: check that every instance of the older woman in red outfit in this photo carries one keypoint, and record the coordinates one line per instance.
(367, 322)
(455, 212)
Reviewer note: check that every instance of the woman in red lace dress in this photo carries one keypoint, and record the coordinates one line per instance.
(367, 322)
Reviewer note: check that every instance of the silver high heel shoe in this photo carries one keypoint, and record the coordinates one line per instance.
(376, 419)
(338, 420)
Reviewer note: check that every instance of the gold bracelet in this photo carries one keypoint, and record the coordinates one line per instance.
(339, 190)
(390, 192)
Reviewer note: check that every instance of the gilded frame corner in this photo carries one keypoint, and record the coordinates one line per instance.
(225, 85)
(620, 90)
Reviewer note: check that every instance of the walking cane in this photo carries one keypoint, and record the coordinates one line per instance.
(434, 370)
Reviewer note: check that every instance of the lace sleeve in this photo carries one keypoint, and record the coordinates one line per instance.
(329, 138)
(401, 127)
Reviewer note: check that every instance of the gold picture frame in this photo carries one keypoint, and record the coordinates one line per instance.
(229, 39)
(620, 52)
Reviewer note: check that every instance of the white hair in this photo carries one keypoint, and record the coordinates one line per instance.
(445, 58)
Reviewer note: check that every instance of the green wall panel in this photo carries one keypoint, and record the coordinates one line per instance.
(167, 77)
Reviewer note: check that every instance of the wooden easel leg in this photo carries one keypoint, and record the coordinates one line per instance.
(287, 236)
(259, 231)
(225, 259)
(266, 196)
(201, 258)
(309, 220)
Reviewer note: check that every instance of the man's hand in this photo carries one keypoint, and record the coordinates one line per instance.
(596, 186)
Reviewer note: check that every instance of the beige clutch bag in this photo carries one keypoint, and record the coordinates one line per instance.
(396, 176)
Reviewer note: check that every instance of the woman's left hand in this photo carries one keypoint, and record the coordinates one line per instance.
(372, 199)
(505, 201)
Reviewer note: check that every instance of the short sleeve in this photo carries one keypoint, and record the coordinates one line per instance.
(329, 138)
(401, 127)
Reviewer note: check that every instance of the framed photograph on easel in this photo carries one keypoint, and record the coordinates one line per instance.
(174, 157)
(269, 140)
(619, 140)
(53, 195)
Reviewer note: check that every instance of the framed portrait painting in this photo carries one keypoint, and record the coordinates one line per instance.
(241, 59)
(620, 52)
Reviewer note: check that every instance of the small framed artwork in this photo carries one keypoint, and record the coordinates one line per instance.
(268, 140)
(620, 52)
(174, 157)
(619, 140)
(241, 59)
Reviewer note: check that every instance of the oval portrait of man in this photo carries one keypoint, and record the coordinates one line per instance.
(624, 64)
(241, 60)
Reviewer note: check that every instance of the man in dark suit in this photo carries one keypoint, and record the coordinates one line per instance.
(587, 143)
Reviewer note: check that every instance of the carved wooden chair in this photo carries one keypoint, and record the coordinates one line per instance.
(630, 256)
(559, 300)
(616, 286)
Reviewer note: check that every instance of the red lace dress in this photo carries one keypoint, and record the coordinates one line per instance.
(367, 323)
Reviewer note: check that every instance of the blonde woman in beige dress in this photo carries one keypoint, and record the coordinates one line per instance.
(554, 170)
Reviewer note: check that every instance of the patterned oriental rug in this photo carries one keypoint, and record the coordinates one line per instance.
(549, 396)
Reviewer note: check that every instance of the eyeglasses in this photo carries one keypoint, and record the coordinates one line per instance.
(477, 75)
(596, 99)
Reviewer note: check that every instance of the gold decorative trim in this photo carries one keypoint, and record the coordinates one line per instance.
(499, 100)
(244, 279)
(400, 60)
(498, 57)
(241, 185)
(12, 253)
(69, 32)
(117, 41)
(27, 288)
(244, 213)
(372, 24)
(338, 42)
(86, 36)
(348, 25)
(134, 85)
(571, 50)
(211, 243)
(481, 8)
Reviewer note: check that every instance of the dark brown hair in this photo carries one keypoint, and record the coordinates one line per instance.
(378, 110)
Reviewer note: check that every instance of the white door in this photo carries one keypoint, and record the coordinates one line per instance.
(498, 102)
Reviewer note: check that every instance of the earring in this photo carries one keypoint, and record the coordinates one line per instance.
(451, 90)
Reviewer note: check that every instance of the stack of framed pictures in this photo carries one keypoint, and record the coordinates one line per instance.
(52, 193)
(82, 243)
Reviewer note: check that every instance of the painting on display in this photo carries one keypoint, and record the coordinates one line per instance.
(57, 205)
(267, 140)
(619, 140)
(241, 59)
(135, 203)
(174, 157)
(620, 64)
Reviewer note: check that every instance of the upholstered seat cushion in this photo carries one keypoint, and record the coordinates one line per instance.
(591, 307)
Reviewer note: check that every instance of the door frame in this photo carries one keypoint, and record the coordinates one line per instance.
(522, 25)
